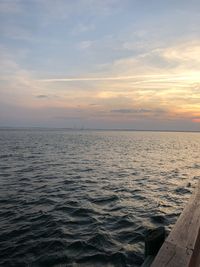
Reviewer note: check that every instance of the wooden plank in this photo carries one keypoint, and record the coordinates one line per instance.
(186, 229)
(195, 261)
(182, 247)
(171, 255)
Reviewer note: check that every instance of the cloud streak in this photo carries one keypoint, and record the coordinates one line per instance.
(126, 111)
(194, 77)
(42, 96)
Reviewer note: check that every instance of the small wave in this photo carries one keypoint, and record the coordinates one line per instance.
(135, 173)
(14, 233)
(122, 222)
(65, 208)
(139, 197)
(119, 258)
(6, 156)
(130, 236)
(82, 212)
(158, 219)
(102, 241)
(56, 259)
(196, 177)
(195, 166)
(182, 190)
(5, 168)
(83, 170)
(103, 200)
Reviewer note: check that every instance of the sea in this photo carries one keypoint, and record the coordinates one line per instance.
(85, 198)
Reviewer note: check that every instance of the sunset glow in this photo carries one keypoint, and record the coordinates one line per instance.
(100, 64)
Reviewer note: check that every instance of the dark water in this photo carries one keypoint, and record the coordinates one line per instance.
(87, 198)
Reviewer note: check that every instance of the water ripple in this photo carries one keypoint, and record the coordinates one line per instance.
(87, 198)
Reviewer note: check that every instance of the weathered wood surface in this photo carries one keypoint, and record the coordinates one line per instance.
(182, 247)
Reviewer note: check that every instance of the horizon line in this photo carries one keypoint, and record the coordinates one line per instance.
(94, 129)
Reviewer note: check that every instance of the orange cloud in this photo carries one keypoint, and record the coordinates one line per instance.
(197, 120)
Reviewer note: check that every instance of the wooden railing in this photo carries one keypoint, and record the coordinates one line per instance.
(182, 246)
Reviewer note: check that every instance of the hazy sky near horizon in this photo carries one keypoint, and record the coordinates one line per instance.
(100, 64)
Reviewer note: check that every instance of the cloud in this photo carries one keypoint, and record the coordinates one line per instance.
(183, 52)
(42, 96)
(17, 32)
(10, 7)
(81, 28)
(125, 111)
(174, 59)
(8, 64)
(85, 44)
(139, 113)
(63, 10)
(146, 77)
(68, 118)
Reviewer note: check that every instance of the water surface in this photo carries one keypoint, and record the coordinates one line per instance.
(87, 198)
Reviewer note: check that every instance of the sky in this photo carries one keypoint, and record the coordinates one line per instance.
(109, 64)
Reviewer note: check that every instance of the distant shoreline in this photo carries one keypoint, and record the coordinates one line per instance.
(6, 128)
